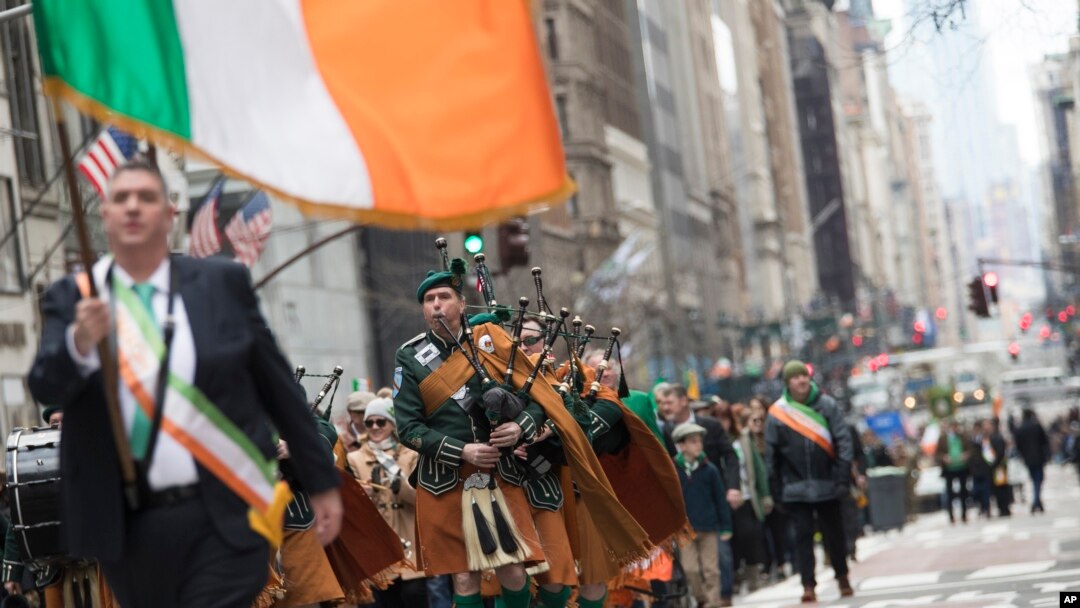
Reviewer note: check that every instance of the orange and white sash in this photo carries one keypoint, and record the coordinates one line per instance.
(804, 421)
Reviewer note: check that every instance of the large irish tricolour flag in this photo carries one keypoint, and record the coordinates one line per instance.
(411, 113)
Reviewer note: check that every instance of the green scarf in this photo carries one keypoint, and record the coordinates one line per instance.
(815, 392)
(691, 466)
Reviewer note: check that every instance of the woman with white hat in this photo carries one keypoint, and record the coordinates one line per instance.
(383, 468)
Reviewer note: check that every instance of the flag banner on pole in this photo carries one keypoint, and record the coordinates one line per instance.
(110, 150)
(205, 240)
(249, 229)
(417, 114)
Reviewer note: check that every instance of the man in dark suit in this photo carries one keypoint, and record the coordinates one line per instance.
(674, 406)
(189, 540)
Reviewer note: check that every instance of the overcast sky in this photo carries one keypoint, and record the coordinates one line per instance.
(1018, 34)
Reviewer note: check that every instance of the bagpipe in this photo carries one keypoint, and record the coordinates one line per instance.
(333, 379)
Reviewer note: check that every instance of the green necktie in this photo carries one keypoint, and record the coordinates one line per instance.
(140, 427)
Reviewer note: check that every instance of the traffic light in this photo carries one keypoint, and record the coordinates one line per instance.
(474, 242)
(990, 279)
(977, 298)
(514, 243)
(1025, 322)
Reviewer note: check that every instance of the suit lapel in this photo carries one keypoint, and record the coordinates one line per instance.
(195, 299)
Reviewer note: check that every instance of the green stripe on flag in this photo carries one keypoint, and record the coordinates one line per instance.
(124, 54)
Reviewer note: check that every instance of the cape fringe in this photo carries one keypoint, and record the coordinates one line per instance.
(56, 87)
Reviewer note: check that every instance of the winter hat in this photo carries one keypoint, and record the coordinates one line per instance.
(795, 368)
(359, 400)
(380, 407)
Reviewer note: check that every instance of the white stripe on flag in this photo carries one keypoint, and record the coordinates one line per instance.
(310, 149)
(108, 144)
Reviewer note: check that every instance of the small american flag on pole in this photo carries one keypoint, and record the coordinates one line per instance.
(205, 240)
(112, 149)
(248, 229)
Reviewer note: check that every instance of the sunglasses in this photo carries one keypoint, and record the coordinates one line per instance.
(376, 422)
(531, 340)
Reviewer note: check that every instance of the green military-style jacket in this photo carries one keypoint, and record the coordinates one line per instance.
(441, 437)
(608, 432)
(298, 513)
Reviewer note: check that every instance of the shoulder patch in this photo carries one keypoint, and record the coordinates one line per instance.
(397, 380)
(413, 340)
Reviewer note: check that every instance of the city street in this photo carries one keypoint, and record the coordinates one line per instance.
(1023, 561)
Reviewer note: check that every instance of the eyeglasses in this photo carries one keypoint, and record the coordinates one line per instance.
(531, 340)
(376, 422)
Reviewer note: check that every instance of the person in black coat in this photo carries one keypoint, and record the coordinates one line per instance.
(1034, 447)
(808, 455)
(187, 539)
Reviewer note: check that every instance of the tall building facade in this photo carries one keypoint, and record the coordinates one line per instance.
(811, 36)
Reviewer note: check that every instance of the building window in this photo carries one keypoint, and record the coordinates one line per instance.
(11, 271)
(564, 120)
(552, 38)
(18, 49)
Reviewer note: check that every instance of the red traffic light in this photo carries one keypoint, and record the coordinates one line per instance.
(990, 279)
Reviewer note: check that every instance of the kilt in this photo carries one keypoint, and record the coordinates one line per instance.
(309, 579)
(440, 535)
(556, 543)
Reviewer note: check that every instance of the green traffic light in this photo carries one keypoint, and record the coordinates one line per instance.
(474, 243)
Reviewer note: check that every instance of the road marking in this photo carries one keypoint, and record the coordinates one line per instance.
(1056, 587)
(924, 600)
(1011, 570)
(971, 596)
(965, 583)
(899, 580)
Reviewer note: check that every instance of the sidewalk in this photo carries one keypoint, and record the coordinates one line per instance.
(1022, 561)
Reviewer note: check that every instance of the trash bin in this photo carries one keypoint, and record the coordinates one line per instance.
(886, 492)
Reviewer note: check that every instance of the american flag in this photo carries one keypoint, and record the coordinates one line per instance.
(248, 229)
(112, 148)
(205, 240)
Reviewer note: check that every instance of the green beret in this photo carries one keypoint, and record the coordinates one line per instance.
(795, 368)
(437, 279)
(452, 278)
(48, 412)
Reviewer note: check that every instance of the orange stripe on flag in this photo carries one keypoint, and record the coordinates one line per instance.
(803, 430)
(445, 99)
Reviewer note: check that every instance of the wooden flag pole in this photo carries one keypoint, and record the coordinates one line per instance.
(108, 363)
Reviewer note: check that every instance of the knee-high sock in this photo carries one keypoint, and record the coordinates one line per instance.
(584, 603)
(468, 601)
(518, 599)
(550, 599)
